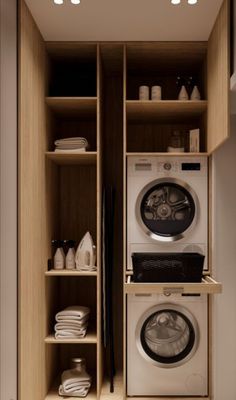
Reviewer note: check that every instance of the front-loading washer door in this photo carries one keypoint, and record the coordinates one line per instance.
(167, 335)
(166, 209)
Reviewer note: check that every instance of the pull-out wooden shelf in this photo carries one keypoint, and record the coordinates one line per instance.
(208, 285)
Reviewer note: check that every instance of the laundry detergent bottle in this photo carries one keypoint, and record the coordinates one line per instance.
(59, 255)
(70, 255)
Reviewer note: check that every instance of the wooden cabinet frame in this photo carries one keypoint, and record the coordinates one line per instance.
(40, 170)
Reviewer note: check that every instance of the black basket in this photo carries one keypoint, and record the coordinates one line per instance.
(167, 267)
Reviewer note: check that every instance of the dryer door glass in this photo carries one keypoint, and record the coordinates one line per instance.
(167, 336)
(167, 209)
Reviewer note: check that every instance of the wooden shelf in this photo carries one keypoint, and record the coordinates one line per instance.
(85, 158)
(208, 285)
(53, 393)
(166, 154)
(138, 110)
(79, 106)
(90, 338)
(66, 272)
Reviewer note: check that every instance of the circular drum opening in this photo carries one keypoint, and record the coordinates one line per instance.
(168, 337)
(166, 209)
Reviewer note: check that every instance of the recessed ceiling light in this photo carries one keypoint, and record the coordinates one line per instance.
(192, 2)
(175, 2)
(75, 1)
(58, 1)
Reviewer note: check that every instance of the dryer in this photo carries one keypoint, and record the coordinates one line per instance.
(167, 345)
(167, 205)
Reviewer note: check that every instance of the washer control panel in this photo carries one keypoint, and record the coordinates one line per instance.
(167, 166)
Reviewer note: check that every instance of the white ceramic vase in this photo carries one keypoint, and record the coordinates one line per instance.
(183, 94)
(195, 94)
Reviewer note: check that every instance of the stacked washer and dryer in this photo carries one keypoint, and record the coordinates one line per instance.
(167, 335)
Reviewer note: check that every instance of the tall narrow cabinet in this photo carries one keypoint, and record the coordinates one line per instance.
(91, 89)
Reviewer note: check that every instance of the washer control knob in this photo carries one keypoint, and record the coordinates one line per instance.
(167, 166)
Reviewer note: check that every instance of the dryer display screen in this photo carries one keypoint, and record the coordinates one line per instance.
(167, 209)
(191, 167)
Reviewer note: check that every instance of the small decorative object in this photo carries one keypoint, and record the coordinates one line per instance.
(70, 254)
(176, 143)
(183, 94)
(75, 382)
(59, 255)
(195, 94)
(156, 92)
(143, 93)
(194, 141)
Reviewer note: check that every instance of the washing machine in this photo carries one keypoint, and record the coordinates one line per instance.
(167, 345)
(167, 205)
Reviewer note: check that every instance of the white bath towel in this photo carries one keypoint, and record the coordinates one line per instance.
(74, 384)
(73, 313)
(67, 325)
(73, 143)
(70, 334)
(77, 393)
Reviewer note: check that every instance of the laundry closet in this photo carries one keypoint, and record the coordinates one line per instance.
(68, 89)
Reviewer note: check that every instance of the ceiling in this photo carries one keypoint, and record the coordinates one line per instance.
(124, 20)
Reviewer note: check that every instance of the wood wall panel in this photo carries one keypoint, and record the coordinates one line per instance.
(34, 210)
(218, 80)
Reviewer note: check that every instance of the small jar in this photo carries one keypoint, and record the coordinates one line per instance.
(143, 93)
(156, 93)
(176, 142)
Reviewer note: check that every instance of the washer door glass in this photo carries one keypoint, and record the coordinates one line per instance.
(167, 209)
(167, 337)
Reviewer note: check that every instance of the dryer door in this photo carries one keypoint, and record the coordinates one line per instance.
(166, 209)
(167, 335)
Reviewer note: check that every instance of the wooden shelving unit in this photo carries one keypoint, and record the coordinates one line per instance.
(79, 158)
(60, 194)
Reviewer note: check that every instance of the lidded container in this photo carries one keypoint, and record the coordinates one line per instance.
(176, 142)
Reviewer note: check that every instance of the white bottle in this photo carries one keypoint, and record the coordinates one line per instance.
(70, 256)
(183, 94)
(59, 256)
(195, 94)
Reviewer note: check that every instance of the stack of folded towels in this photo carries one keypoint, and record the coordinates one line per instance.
(74, 384)
(70, 145)
(72, 322)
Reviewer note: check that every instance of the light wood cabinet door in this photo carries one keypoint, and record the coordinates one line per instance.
(218, 71)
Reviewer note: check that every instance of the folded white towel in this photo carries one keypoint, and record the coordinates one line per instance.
(74, 383)
(73, 313)
(70, 334)
(83, 392)
(68, 144)
(64, 325)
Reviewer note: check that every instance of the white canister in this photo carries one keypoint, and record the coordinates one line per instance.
(143, 93)
(156, 93)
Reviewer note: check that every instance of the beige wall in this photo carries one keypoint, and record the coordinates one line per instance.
(8, 200)
(225, 268)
